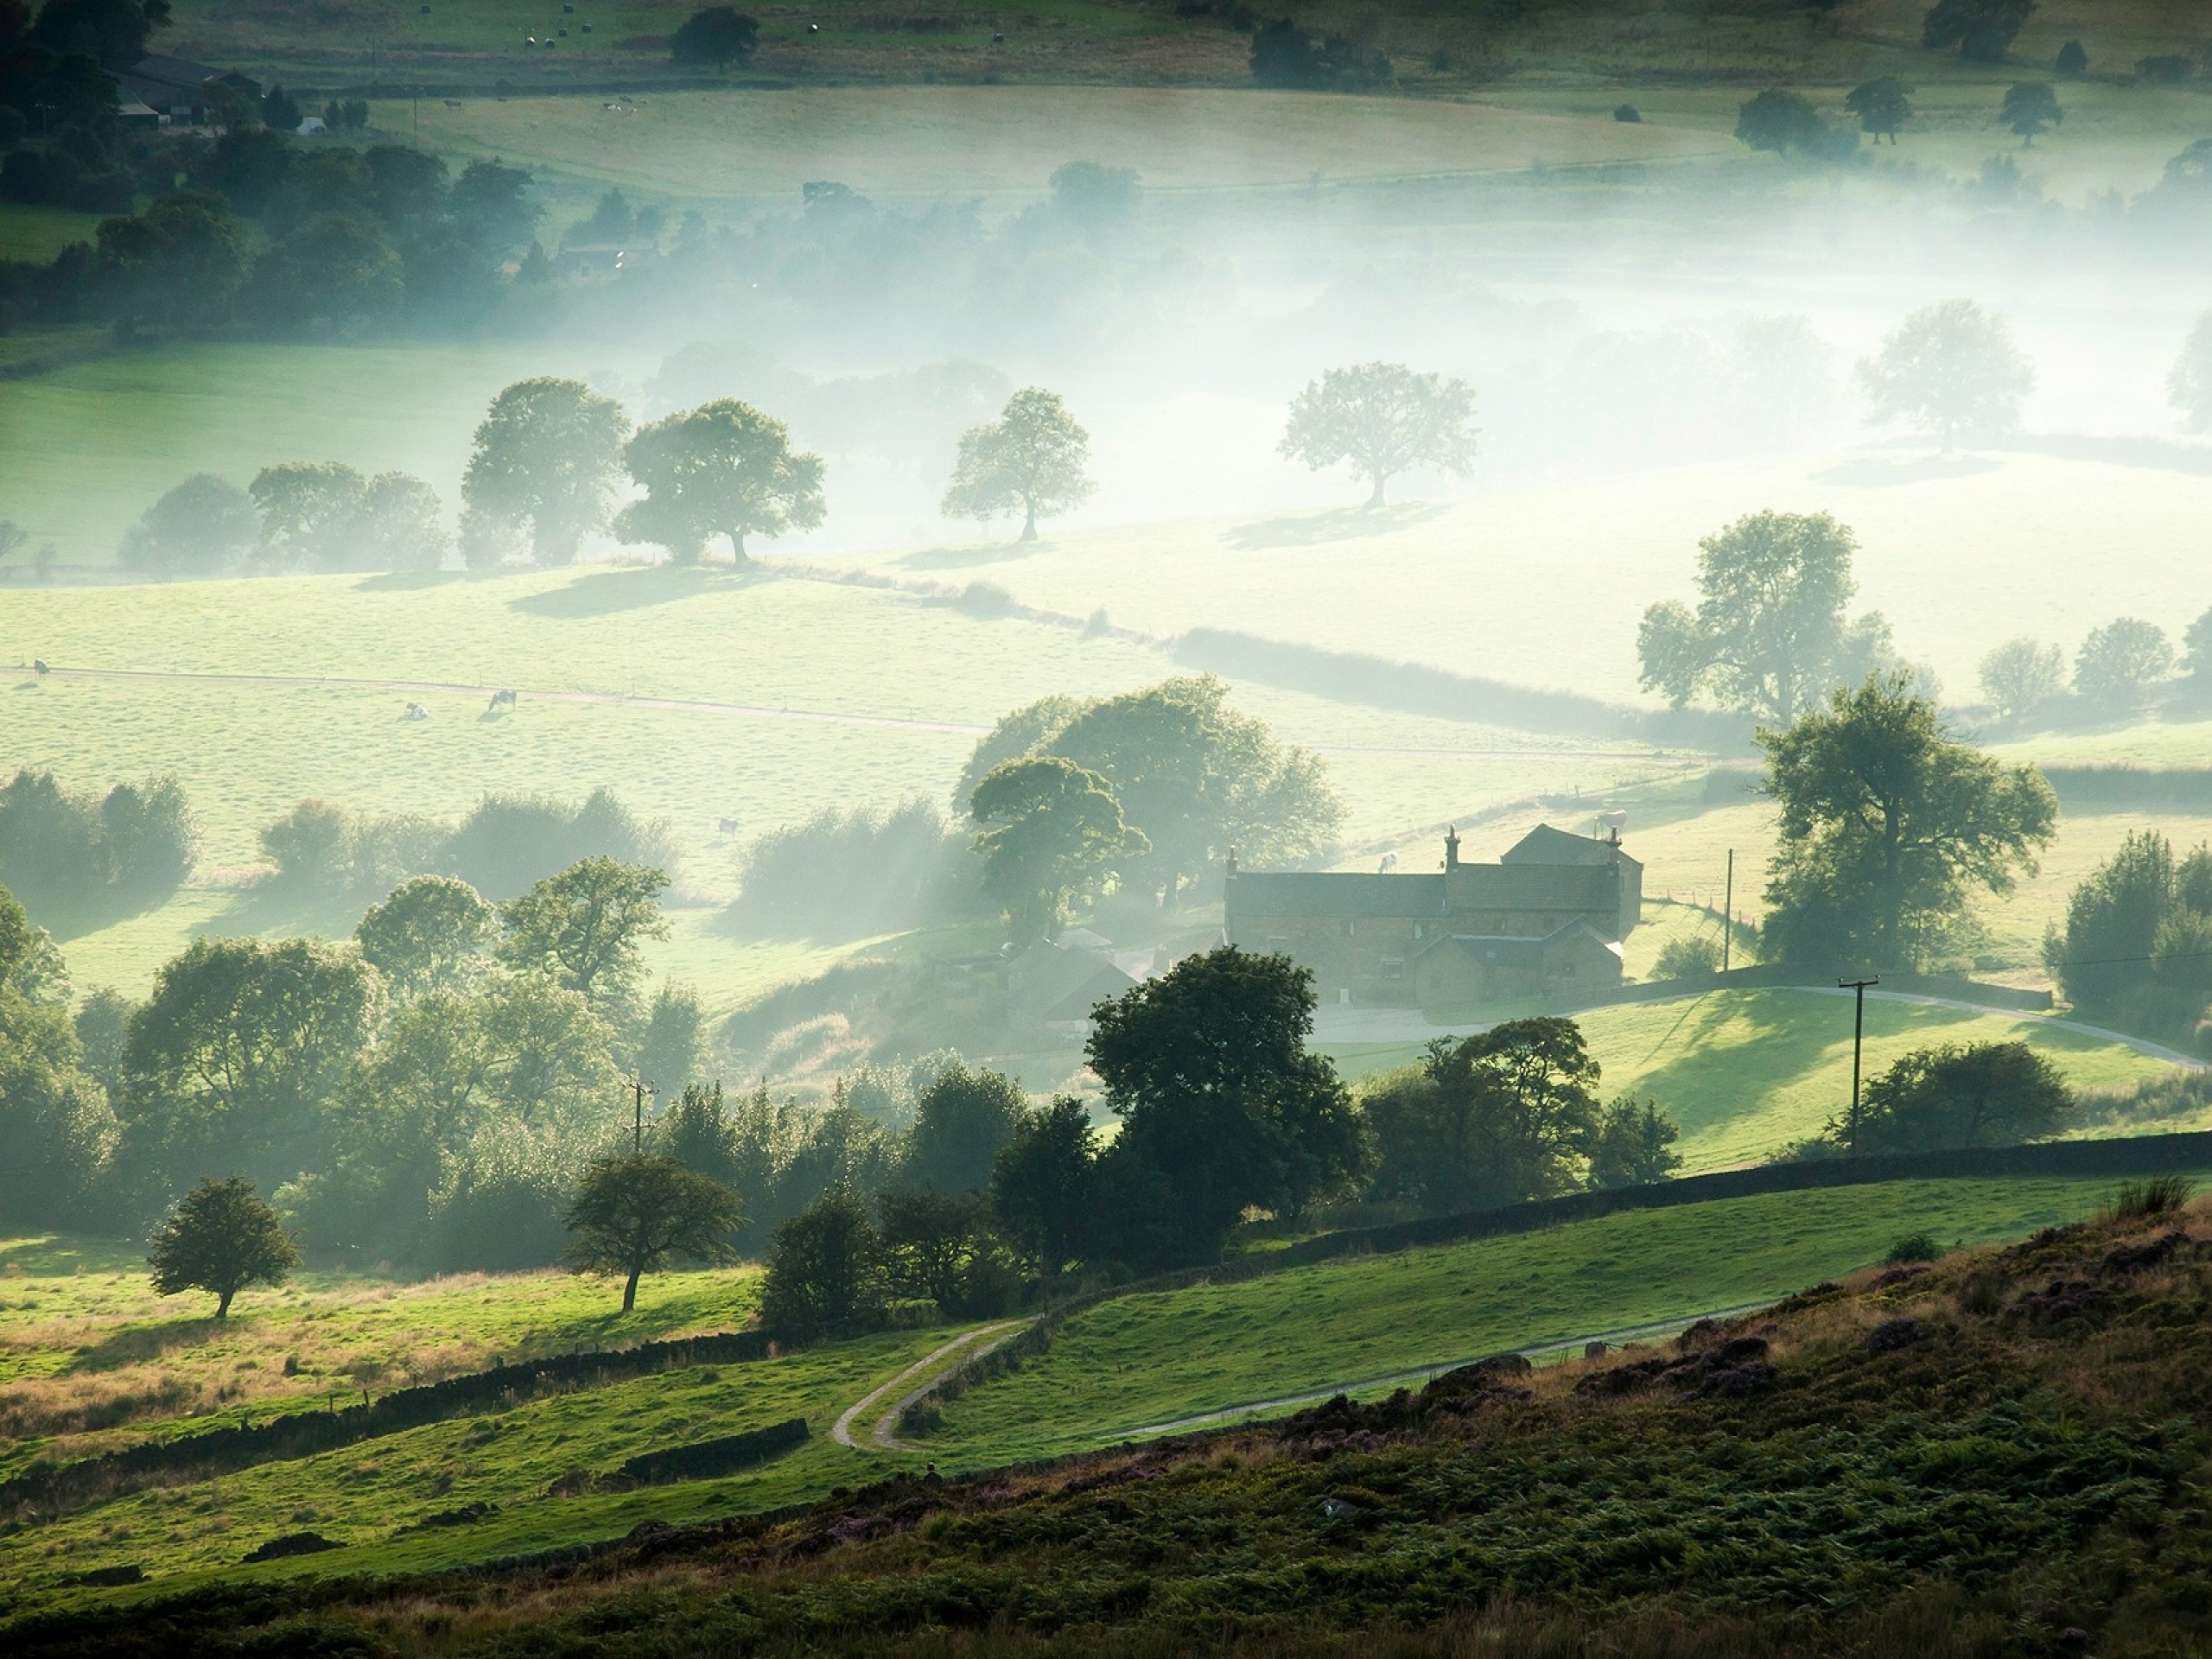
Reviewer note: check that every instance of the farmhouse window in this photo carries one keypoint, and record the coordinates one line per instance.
(1393, 971)
(1417, 930)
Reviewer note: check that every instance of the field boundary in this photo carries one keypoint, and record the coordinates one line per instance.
(2144, 1155)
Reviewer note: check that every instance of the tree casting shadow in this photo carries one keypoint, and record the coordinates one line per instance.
(635, 589)
(1343, 525)
(142, 1342)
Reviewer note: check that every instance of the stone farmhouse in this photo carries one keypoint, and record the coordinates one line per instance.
(1546, 920)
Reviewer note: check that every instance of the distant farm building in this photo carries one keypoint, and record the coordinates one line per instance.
(1547, 919)
(1054, 984)
(177, 90)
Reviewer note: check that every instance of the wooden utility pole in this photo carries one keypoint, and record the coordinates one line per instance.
(638, 1089)
(1858, 1043)
(1728, 913)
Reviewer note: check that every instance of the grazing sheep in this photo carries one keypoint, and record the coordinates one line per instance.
(417, 711)
(727, 826)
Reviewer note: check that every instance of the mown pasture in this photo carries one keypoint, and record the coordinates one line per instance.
(1126, 1365)
(1747, 1073)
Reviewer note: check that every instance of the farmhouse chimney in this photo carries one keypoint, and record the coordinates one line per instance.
(1452, 848)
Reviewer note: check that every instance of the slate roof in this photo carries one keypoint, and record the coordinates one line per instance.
(1545, 845)
(1048, 982)
(1323, 892)
(1535, 887)
(179, 74)
(1514, 950)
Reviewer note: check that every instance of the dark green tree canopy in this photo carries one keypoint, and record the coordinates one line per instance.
(1767, 636)
(633, 1214)
(200, 529)
(720, 36)
(2136, 949)
(1888, 828)
(1034, 458)
(430, 933)
(963, 1120)
(826, 1271)
(1043, 1182)
(1986, 1095)
(1383, 418)
(1220, 1099)
(221, 1237)
(2031, 107)
(722, 469)
(1634, 1144)
(1882, 105)
(1052, 831)
(1981, 29)
(583, 927)
(1779, 121)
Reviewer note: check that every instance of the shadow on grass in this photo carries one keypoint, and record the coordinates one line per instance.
(142, 1342)
(268, 906)
(408, 582)
(1883, 473)
(636, 589)
(1318, 529)
(967, 558)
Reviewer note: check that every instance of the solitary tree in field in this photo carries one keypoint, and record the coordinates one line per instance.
(2030, 108)
(546, 455)
(2120, 665)
(1050, 830)
(2189, 387)
(633, 1215)
(1033, 457)
(2022, 675)
(1949, 368)
(720, 36)
(1768, 628)
(1981, 29)
(1888, 828)
(1779, 121)
(722, 469)
(221, 1238)
(583, 926)
(1881, 105)
(1382, 417)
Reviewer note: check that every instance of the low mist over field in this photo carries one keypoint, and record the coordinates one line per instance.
(754, 765)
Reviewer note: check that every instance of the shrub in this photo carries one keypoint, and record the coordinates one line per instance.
(80, 858)
(847, 875)
(1688, 954)
(2157, 1195)
(1913, 1247)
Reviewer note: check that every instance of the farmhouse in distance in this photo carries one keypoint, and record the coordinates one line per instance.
(1547, 918)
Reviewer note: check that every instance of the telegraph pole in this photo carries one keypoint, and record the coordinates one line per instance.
(1858, 1043)
(639, 1089)
(1728, 913)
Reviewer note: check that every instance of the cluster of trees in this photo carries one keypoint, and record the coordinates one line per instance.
(846, 874)
(323, 854)
(2121, 670)
(422, 1094)
(78, 859)
(1284, 55)
(55, 63)
(1140, 793)
(1223, 1113)
(1789, 124)
(2136, 948)
(298, 516)
(252, 229)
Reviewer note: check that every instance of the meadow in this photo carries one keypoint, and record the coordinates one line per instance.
(1123, 1367)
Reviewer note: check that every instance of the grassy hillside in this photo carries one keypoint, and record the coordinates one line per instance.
(1937, 1464)
(1746, 1073)
(1123, 1366)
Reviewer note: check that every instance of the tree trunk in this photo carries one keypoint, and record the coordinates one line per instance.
(1375, 500)
(1029, 523)
(737, 549)
(630, 1290)
(223, 1303)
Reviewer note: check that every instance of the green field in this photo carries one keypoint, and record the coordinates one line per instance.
(36, 234)
(1747, 1073)
(1125, 1366)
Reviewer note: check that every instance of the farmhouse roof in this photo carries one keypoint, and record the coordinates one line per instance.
(1049, 983)
(179, 74)
(1338, 894)
(1535, 887)
(1545, 845)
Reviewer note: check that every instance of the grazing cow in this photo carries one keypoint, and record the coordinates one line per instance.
(1389, 862)
(501, 700)
(39, 667)
(728, 826)
(417, 711)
